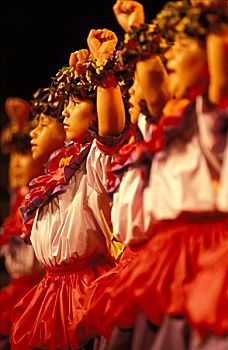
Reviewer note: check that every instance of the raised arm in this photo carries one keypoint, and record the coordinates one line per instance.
(217, 53)
(78, 58)
(110, 106)
(129, 14)
(154, 81)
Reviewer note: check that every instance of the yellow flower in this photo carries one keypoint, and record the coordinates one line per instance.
(64, 161)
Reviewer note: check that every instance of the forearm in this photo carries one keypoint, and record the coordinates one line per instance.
(154, 80)
(110, 109)
(217, 50)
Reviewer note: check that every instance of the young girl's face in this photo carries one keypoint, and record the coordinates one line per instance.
(186, 61)
(22, 169)
(136, 94)
(78, 116)
(48, 136)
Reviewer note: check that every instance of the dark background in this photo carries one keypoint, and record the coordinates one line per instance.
(36, 39)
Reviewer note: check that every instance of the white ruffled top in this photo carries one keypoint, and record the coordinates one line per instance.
(71, 225)
(180, 181)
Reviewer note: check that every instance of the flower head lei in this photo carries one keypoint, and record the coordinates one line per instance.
(170, 16)
(93, 73)
(141, 42)
(200, 20)
(196, 21)
(109, 72)
(45, 102)
(67, 82)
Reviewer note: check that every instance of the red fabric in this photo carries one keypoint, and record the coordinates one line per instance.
(11, 294)
(155, 282)
(107, 149)
(48, 315)
(223, 103)
(111, 150)
(41, 185)
(153, 146)
(207, 295)
(44, 184)
(63, 153)
(12, 225)
(98, 296)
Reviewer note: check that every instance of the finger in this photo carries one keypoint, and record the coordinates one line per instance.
(73, 59)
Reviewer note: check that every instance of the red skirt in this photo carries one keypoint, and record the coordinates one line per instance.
(155, 283)
(207, 295)
(11, 294)
(47, 316)
(97, 298)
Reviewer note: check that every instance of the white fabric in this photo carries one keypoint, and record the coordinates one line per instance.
(71, 224)
(127, 214)
(145, 127)
(180, 180)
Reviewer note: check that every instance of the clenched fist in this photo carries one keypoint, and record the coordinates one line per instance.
(101, 43)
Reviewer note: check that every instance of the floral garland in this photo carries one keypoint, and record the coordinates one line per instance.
(200, 20)
(93, 73)
(141, 42)
(67, 82)
(196, 21)
(170, 15)
(45, 102)
(109, 72)
(54, 182)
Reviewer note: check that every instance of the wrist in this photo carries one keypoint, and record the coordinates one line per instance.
(108, 82)
(103, 72)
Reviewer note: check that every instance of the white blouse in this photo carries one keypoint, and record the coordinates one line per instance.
(71, 224)
(180, 180)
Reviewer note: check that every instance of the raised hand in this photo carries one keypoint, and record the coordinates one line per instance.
(18, 111)
(78, 58)
(101, 43)
(129, 13)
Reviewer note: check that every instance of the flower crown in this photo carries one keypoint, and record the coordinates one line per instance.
(141, 42)
(110, 73)
(196, 21)
(67, 82)
(93, 73)
(200, 20)
(45, 102)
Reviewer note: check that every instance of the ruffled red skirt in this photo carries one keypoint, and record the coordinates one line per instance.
(155, 283)
(98, 296)
(207, 295)
(47, 316)
(11, 294)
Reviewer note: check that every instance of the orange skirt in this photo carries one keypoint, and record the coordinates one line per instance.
(47, 316)
(156, 281)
